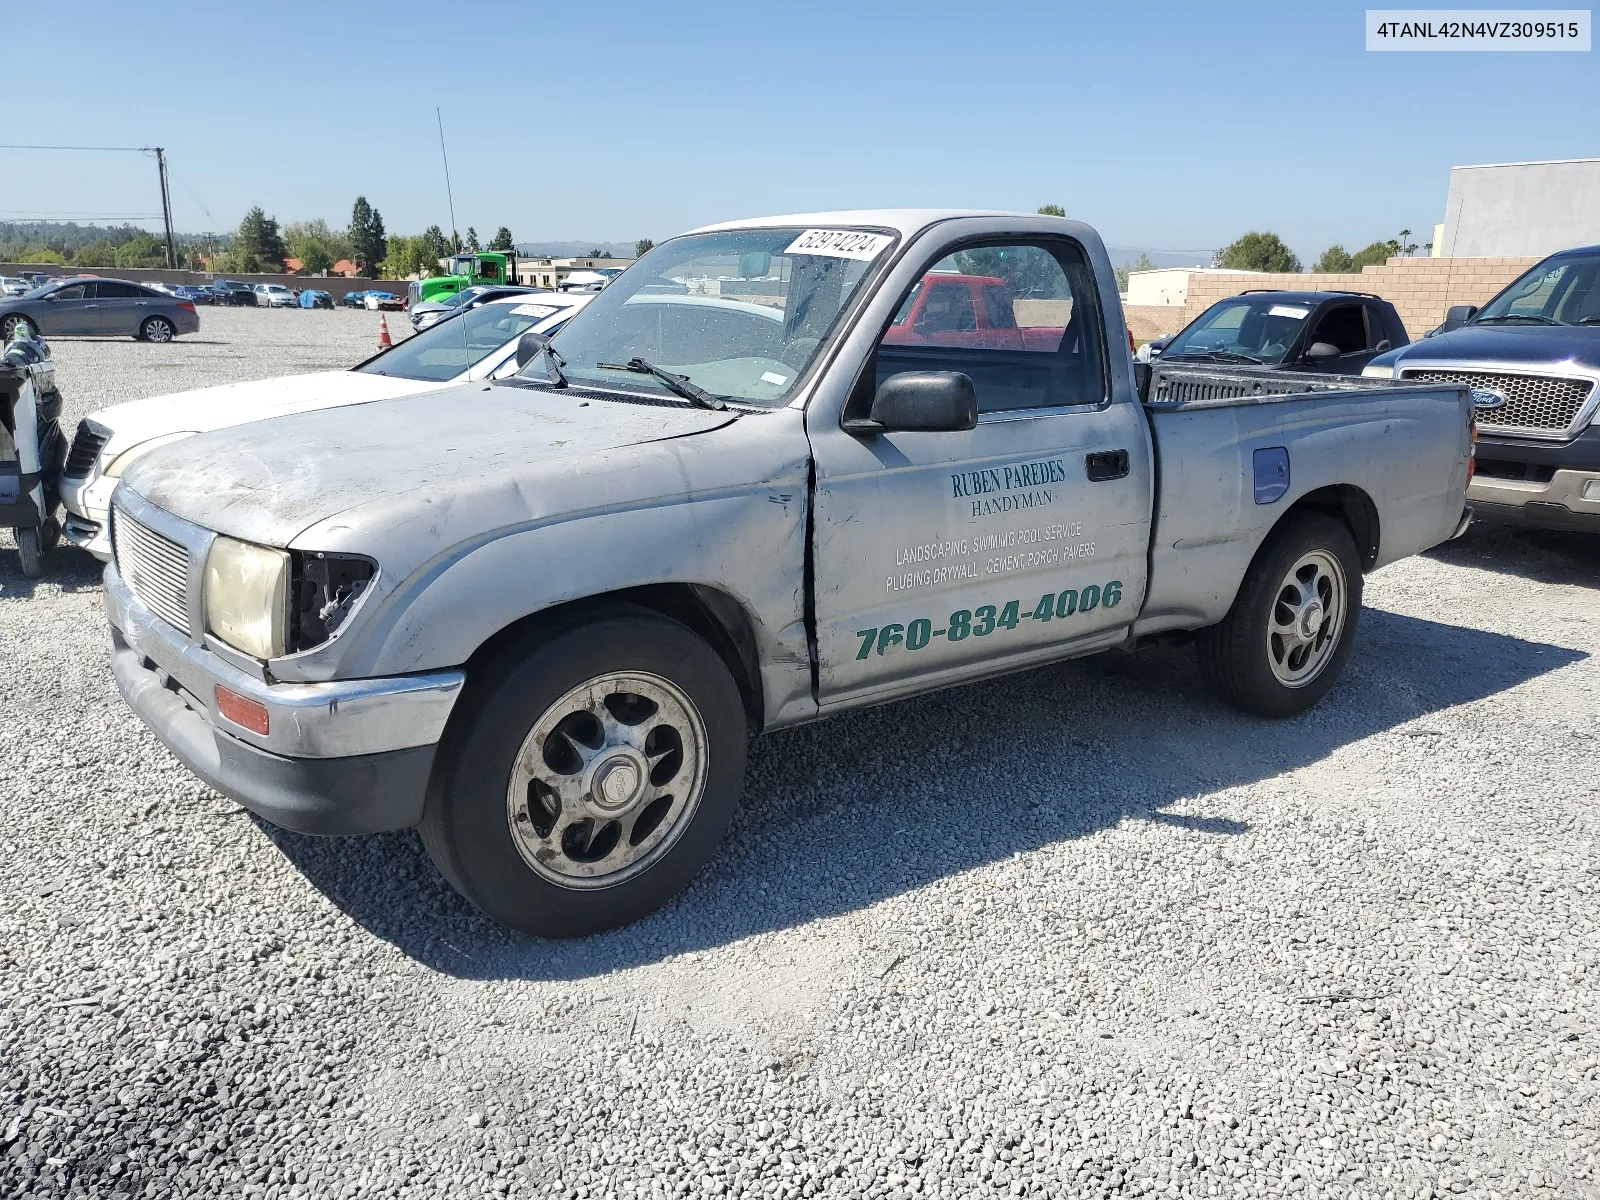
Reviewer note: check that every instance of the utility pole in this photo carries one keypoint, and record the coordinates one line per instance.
(166, 206)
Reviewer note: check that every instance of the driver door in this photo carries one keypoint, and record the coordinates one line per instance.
(950, 555)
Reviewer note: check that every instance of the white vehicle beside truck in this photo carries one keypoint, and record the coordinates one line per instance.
(475, 345)
(776, 470)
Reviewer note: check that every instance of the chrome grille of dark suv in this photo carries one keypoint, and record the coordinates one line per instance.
(1541, 404)
(86, 446)
(155, 568)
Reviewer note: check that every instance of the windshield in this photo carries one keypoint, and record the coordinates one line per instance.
(1261, 329)
(459, 342)
(463, 296)
(741, 313)
(1559, 291)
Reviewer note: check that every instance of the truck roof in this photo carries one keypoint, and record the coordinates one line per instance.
(904, 221)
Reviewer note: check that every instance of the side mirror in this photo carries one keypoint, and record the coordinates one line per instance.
(1381, 346)
(1322, 352)
(529, 346)
(922, 402)
(1459, 314)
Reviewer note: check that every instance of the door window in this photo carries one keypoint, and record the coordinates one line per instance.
(110, 290)
(1038, 344)
(76, 292)
(1343, 327)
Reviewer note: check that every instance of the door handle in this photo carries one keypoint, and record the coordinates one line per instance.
(1106, 464)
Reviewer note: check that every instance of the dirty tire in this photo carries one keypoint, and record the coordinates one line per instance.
(10, 325)
(157, 329)
(30, 552)
(1237, 655)
(477, 782)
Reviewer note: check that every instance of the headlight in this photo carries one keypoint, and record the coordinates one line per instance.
(125, 459)
(1378, 370)
(247, 596)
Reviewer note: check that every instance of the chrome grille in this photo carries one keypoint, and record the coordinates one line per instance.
(86, 446)
(155, 568)
(1541, 404)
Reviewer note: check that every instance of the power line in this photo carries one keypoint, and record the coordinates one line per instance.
(119, 149)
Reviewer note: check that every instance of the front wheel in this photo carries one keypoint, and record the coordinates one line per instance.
(14, 326)
(587, 780)
(157, 329)
(1283, 643)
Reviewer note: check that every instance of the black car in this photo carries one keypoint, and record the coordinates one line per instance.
(231, 292)
(1334, 332)
(1533, 356)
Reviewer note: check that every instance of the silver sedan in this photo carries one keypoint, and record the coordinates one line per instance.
(98, 308)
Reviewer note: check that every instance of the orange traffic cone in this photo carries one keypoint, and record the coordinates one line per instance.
(384, 340)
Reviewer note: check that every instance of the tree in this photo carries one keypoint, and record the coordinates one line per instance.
(1404, 245)
(146, 250)
(1335, 259)
(1126, 269)
(95, 254)
(472, 240)
(597, 253)
(1052, 210)
(1258, 252)
(368, 246)
(315, 245)
(41, 254)
(1374, 255)
(642, 247)
(257, 243)
(437, 246)
(502, 240)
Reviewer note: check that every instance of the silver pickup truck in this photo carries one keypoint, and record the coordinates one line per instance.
(778, 469)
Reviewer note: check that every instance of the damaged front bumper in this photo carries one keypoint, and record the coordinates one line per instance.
(346, 757)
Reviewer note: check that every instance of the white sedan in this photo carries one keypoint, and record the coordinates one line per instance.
(478, 344)
(275, 295)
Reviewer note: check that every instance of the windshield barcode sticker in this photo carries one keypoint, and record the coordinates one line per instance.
(840, 243)
(1285, 310)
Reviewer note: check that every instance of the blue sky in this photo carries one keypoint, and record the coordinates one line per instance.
(1165, 125)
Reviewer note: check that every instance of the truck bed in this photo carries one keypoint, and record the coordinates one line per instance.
(1390, 458)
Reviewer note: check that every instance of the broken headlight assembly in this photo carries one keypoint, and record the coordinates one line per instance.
(324, 590)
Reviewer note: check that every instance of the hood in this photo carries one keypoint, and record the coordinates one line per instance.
(1568, 346)
(269, 481)
(236, 403)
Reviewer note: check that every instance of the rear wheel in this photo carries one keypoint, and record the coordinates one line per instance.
(1288, 635)
(30, 552)
(157, 329)
(587, 780)
(11, 325)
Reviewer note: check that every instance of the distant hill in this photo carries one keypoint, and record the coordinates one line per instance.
(573, 249)
(1123, 255)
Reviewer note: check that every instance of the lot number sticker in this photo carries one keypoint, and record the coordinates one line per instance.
(840, 243)
(1286, 310)
(535, 310)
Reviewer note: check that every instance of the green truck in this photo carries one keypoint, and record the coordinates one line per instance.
(466, 270)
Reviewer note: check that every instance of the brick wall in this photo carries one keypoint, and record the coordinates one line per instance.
(1419, 288)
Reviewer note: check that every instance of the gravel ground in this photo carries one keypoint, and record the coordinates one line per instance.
(1076, 932)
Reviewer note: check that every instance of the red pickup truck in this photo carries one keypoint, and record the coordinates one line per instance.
(977, 312)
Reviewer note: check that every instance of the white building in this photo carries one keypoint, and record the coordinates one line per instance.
(1529, 209)
(1165, 287)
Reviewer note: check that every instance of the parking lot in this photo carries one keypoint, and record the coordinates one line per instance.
(1080, 931)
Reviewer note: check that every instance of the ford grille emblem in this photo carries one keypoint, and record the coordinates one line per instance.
(1487, 398)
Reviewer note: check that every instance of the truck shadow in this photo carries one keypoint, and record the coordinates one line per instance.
(1540, 555)
(850, 811)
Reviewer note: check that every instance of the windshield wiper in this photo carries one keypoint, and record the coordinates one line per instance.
(1534, 317)
(1214, 356)
(1587, 321)
(678, 385)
